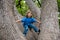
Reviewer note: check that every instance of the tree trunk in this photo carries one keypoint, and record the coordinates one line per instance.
(58, 36)
(49, 19)
(8, 27)
(18, 16)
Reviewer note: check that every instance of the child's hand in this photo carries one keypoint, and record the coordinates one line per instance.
(18, 21)
(39, 22)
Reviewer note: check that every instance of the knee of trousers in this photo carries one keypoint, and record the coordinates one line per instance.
(26, 29)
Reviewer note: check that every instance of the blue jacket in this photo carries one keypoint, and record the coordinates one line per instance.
(27, 21)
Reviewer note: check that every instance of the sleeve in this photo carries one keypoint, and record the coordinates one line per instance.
(34, 20)
(23, 19)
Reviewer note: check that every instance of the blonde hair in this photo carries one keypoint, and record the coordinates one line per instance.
(28, 13)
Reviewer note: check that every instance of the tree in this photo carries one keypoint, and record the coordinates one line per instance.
(8, 27)
(49, 19)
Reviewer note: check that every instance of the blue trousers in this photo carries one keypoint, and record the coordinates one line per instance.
(26, 27)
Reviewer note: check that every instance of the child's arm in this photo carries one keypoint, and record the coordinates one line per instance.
(18, 21)
(38, 21)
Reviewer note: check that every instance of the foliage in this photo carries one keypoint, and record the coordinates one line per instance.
(59, 19)
(58, 1)
(22, 6)
(22, 10)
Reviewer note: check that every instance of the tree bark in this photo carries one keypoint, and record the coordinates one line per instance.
(8, 27)
(18, 16)
(49, 19)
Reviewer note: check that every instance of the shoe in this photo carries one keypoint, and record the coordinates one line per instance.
(39, 31)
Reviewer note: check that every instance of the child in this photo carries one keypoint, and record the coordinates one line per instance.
(28, 21)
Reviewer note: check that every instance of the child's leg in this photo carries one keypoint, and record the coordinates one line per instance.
(25, 30)
(29, 28)
(34, 27)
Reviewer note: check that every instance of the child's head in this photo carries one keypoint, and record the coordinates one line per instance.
(29, 14)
